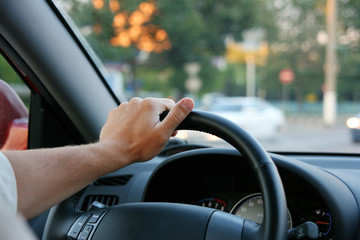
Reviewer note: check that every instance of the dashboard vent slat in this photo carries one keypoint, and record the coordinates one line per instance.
(109, 200)
(113, 181)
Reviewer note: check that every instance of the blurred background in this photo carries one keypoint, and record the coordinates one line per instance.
(298, 58)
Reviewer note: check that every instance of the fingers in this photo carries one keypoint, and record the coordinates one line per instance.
(153, 105)
(177, 114)
(135, 127)
(144, 113)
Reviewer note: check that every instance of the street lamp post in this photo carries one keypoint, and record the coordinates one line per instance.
(330, 95)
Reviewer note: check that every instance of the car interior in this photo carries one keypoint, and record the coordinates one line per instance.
(190, 190)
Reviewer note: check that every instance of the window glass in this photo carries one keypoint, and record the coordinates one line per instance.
(14, 101)
(301, 57)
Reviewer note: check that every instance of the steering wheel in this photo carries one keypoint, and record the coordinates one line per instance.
(180, 221)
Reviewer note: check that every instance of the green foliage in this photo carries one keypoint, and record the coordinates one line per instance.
(197, 31)
(7, 73)
(349, 13)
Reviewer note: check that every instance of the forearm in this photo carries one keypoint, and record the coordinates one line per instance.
(132, 133)
(47, 176)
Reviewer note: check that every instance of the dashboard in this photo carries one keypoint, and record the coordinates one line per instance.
(223, 179)
(227, 183)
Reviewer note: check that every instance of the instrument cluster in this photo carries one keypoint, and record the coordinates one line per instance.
(252, 207)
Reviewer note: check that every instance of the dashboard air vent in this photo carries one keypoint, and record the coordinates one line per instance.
(108, 200)
(113, 181)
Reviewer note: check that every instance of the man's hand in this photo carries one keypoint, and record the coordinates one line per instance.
(133, 131)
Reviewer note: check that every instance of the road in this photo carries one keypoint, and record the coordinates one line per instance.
(318, 138)
(302, 134)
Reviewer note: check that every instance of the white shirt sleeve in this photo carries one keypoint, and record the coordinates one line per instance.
(8, 190)
(12, 225)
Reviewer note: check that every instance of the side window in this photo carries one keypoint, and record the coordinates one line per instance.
(14, 102)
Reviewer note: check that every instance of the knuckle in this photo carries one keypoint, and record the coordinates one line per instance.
(135, 100)
(115, 110)
(122, 105)
(149, 103)
(112, 112)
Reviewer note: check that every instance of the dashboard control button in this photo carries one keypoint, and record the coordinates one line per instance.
(85, 233)
(77, 226)
(95, 217)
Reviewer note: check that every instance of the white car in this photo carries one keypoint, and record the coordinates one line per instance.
(255, 115)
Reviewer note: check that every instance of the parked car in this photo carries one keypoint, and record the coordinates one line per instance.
(188, 191)
(258, 117)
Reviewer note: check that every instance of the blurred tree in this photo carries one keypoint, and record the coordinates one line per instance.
(348, 50)
(300, 45)
(194, 31)
(296, 47)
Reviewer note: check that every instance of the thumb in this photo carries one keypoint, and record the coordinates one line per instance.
(177, 114)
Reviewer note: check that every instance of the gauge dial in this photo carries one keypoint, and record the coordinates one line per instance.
(252, 207)
(322, 218)
(212, 203)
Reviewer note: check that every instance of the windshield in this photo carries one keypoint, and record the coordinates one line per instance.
(285, 70)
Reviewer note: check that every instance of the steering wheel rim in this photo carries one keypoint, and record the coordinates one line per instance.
(274, 225)
(275, 218)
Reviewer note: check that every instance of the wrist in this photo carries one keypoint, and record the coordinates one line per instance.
(111, 156)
